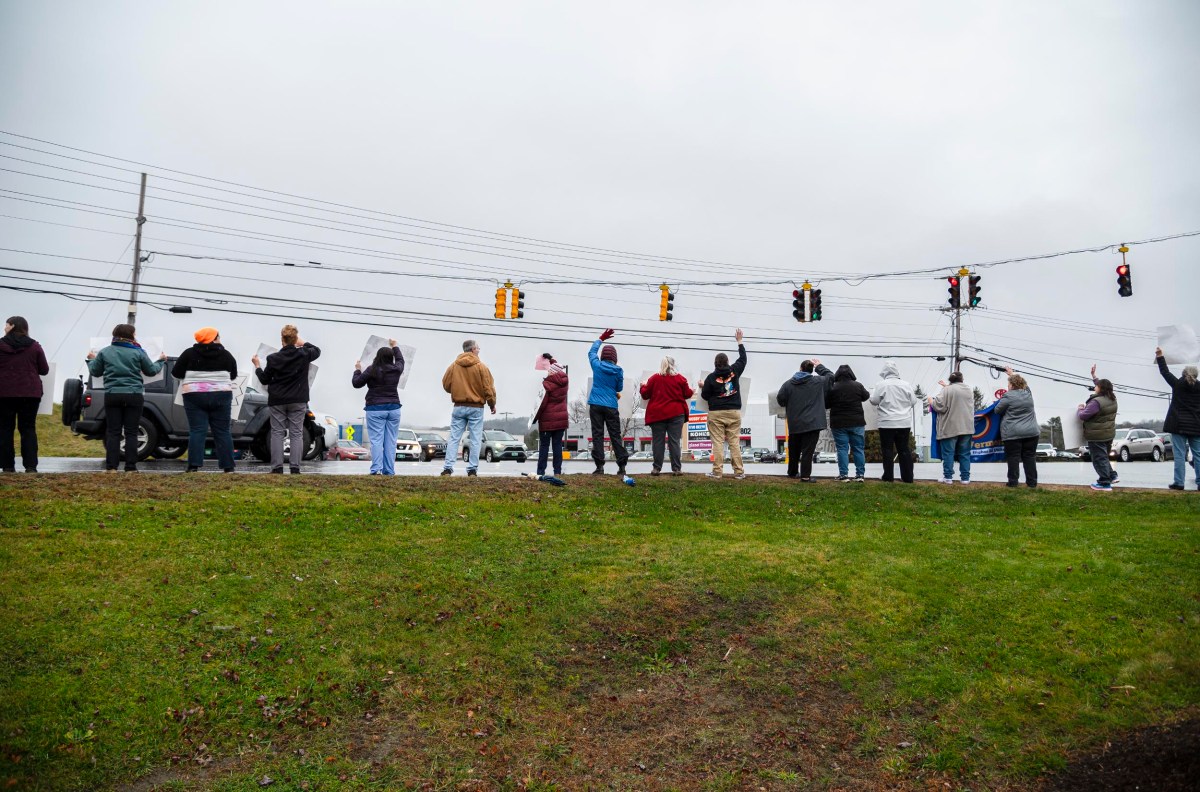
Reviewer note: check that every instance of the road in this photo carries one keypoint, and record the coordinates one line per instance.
(1152, 475)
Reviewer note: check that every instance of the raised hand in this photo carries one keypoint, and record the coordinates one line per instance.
(257, 363)
(607, 334)
(1009, 370)
(1158, 352)
(162, 355)
(1093, 371)
(737, 334)
(942, 383)
(358, 365)
(91, 355)
(393, 342)
(816, 362)
(299, 341)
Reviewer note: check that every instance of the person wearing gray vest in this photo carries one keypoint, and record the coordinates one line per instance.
(1019, 429)
(955, 407)
(1099, 416)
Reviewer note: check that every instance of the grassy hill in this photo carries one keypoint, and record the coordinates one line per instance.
(56, 440)
(212, 632)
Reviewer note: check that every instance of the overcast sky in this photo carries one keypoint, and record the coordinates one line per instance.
(774, 141)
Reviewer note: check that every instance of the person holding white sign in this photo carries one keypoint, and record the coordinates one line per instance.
(1183, 419)
(1099, 416)
(382, 410)
(22, 365)
(286, 378)
(122, 364)
(207, 371)
(722, 389)
(666, 395)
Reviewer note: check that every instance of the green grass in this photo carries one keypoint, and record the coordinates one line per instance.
(56, 440)
(203, 632)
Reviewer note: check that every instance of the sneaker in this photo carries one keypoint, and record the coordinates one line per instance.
(131, 470)
(740, 476)
(842, 478)
(1032, 486)
(1115, 480)
(447, 471)
(295, 471)
(192, 469)
(1175, 487)
(676, 472)
(9, 470)
(655, 472)
(31, 470)
(1101, 488)
(710, 474)
(621, 472)
(945, 481)
(472, 472)
(106, 470)
(860, 480)
(965, 481)
(227, 470)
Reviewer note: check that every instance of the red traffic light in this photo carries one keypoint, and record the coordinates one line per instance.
(952, 281)
(1122, 269)
(796, 293)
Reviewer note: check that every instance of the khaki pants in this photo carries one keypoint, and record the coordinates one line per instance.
(725, 426)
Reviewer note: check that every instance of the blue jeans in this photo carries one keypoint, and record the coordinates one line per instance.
(470, 420)
(381, 434)
(956, 448)
(545, 441)
(851, 439)
(203, 410)
(1179, 446)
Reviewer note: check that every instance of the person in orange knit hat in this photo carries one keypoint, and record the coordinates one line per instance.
(207, 371)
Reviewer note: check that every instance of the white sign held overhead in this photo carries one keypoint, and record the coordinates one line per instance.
(264, 350)
(46, 407)
(376, 343)
(1179, 344)
(153, 347)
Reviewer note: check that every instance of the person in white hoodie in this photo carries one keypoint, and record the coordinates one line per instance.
(895, 399)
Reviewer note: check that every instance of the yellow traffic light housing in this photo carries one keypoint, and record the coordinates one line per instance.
(666, 303)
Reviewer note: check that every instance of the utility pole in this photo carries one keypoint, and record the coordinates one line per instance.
(137, 254)
(958, 311)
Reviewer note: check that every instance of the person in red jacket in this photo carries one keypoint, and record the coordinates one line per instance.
(666, 394)
(552, 420)
(22, 366)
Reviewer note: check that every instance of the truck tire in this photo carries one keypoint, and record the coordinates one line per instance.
(260, 446)
(147, 438)
(314, 445)
(72, 401)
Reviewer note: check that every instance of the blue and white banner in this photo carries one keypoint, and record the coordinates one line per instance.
(986, 445)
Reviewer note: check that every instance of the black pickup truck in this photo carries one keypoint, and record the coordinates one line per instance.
(163, 429)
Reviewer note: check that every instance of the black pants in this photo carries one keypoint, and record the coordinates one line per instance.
(545, 440)
(801, 448)
(607, 418)
(892, 441)
(1021, 452)
(667, 433)
(20, 413)
(122, 411)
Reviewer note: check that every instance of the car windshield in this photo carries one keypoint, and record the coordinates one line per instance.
(495, 434)
(406, 434)
(1045, 445)
(1122, 434)
(432, 438)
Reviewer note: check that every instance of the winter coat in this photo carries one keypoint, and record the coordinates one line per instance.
(955, 407)
(204, 357)
(469, 382)
(608, 379)
(552, 414)
(894, 397)
(1183, 416)
(22, 366)
(804, 397)
(1099, 416)
(1017, 418)
(381, 381)
(666, 397)
(286, 374)
(122, 365)
(845, 399)
(722, 388)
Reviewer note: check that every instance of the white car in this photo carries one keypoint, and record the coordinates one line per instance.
(408, 446)
(1045, 451)
(330, 427)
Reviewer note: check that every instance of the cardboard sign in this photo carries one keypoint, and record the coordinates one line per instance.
(1179, 344)
(153, 347)
(264, 350)
(46, 407)
(376, 343)
(774, 407)
(1072, 427)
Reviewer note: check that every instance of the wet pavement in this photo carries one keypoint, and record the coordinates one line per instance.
(1153, 475)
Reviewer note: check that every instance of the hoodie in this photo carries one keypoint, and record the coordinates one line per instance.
(723, 388)
(381, 382)
(845, 399)
(22, 366)
(469, 382)
(894, 397)
(608, 379)
(286, 374)
(204, 357)
(804, 397)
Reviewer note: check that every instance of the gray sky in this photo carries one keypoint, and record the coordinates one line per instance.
(783, 140)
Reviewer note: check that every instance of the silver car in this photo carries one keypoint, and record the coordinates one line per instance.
(1132, 443)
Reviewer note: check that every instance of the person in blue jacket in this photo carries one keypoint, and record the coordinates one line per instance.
(608, 380)
(122, 365)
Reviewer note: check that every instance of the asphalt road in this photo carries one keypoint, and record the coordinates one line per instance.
(1152, 475)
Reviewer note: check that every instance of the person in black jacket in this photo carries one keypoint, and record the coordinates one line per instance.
(848, 422)
(1183, 419)
(22, 365)
(381, 379)
(722, 389)
(286, 378)
(207, 371)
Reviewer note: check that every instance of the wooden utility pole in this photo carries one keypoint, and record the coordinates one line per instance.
(963, 274)
(137, 255)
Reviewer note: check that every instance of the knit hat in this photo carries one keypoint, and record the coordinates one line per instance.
(609, 353)
(206, 335)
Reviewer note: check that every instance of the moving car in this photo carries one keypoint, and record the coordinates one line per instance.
(432, 446)
(498, 445)
(408, 447)
(1132, 443)
(347, 450)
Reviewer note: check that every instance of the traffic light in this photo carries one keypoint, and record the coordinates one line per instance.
(666, 303)
(501, 303)
(1124, 280)
(814, 305)
(798, 305)
(954, 291)
(973, 290)
(516, 309)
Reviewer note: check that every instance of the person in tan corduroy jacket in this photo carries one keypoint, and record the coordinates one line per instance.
(470, 385)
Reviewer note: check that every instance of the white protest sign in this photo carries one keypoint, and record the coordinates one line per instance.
(871, 413)
(1179, 344)
(773, 405)
(376, 343)
(153, 347)
(46, 407)
(238, 390)
(264, 350)
(1072, 427)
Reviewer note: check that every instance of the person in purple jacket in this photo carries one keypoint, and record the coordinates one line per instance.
(22, 366)
(381, 379)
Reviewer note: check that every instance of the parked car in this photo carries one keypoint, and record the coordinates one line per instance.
(754, 453)
(825, 456)
(1046, 451)
(432, 446)
(768, 455)
(498, 446)
(408, 447)
(1066, 454)
(330, 429)
(642, 456)
(347, 450)
(701, 455)
(163, 427)
(1132, 443)
(1169, 447)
